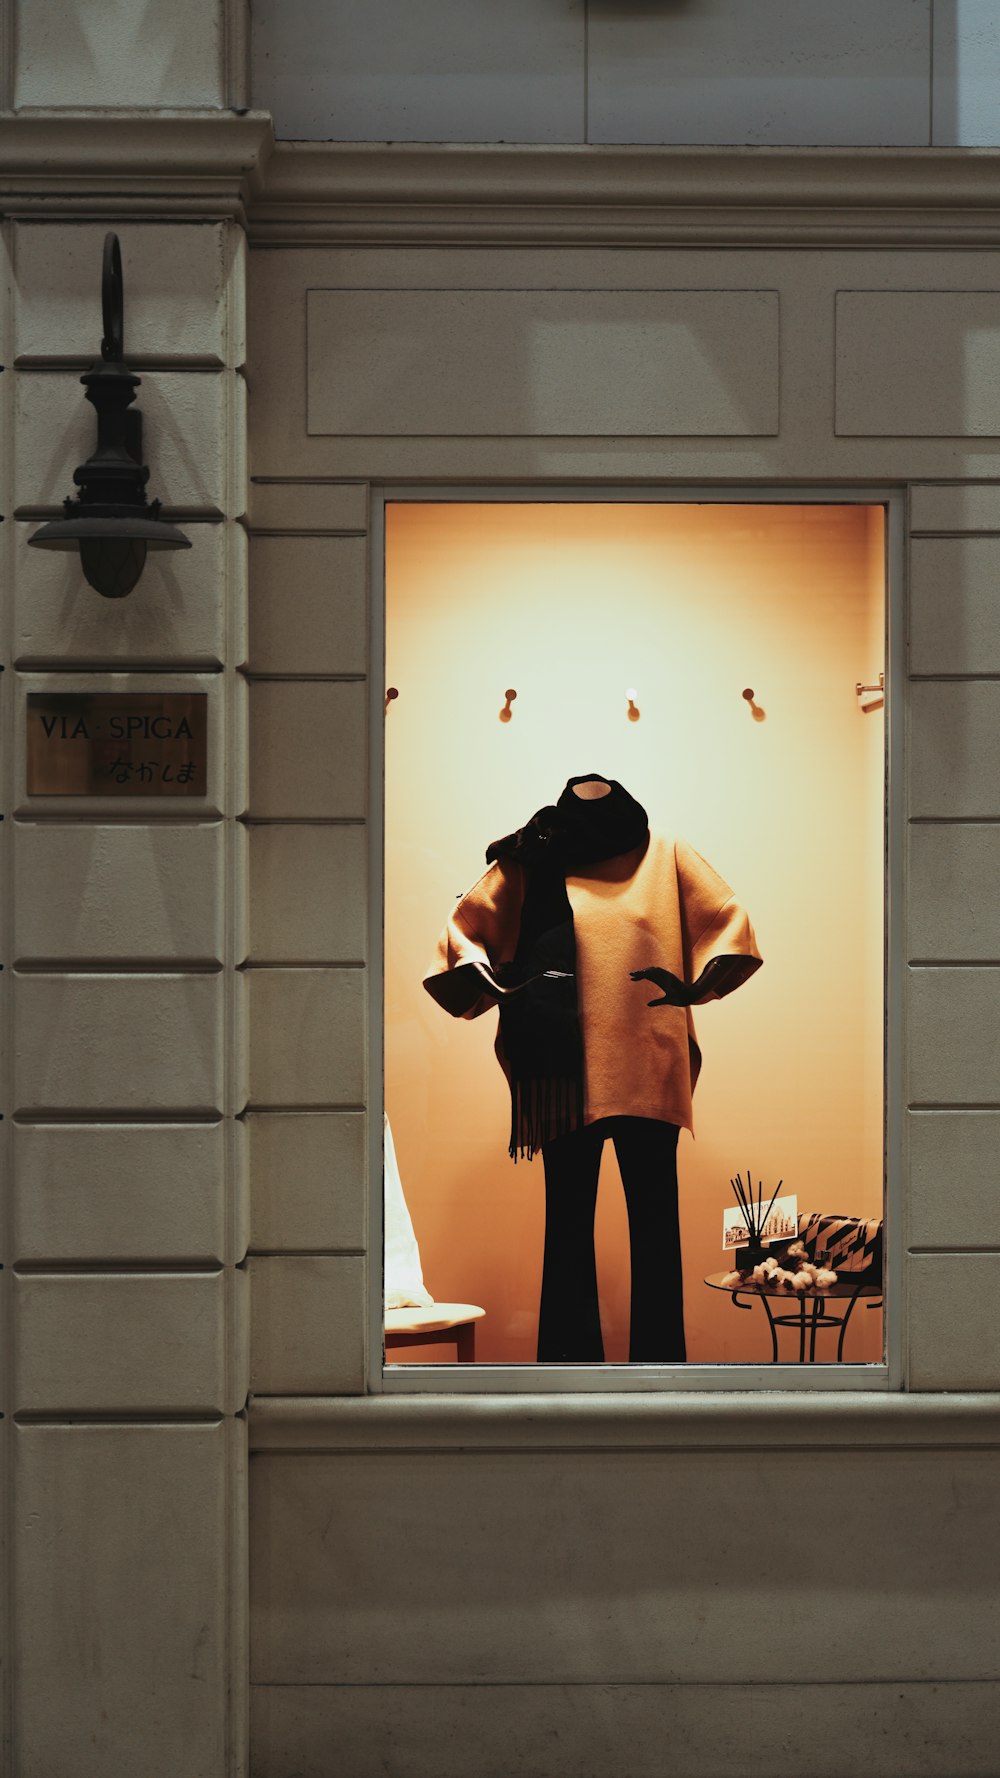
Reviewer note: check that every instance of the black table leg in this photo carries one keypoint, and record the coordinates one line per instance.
(843, 1326)
(774, 1331)
(812, 1331)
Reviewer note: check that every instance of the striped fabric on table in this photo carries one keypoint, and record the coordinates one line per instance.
(844, 1243)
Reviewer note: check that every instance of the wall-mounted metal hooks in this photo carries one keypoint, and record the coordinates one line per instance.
(506, 713)
(756, 711)
(870, 697)
(633, 712)
(390, 694)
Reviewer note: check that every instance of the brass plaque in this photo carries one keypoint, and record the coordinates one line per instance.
(117, 743)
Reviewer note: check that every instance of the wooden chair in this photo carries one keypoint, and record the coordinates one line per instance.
(437, 1324)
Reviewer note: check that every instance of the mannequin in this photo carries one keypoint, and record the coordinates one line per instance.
(555, 933)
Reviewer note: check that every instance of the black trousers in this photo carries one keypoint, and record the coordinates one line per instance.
(569, 1322)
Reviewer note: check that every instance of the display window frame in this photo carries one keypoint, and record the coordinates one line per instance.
(699, 1377)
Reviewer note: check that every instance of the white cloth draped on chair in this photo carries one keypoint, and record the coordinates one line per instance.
(404, 1279)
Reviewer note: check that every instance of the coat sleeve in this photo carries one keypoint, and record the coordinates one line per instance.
(720, 949)
(481, 934)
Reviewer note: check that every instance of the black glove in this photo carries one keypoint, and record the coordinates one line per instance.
(675, 992)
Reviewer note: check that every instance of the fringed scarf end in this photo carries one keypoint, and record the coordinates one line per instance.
(541, 1111)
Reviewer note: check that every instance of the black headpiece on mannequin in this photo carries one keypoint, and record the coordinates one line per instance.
(576, 831)
(539, 1023)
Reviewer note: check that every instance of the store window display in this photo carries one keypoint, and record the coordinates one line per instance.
(579, 911)
(565, 1198)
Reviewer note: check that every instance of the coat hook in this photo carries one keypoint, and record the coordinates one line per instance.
(755, 710)
(633, 709)
(390, 693)
(506, 713)
(870, 697)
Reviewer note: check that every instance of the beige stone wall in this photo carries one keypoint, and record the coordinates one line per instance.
(536, 1603)
(306, 981)
(548, 1587)
(126, 1296)
(128, 1228)
(480, 1585)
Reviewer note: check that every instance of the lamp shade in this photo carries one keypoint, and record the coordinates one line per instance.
(112, 548)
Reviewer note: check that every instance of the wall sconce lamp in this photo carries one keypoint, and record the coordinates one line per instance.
(112, 523)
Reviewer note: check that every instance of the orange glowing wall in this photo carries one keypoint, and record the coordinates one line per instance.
(571, 604)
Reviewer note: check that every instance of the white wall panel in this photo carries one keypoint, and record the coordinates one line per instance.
(309, 604)
(308, 893)
(577, 1566)
(297, 506)
(308, 750)
(307, 1036)
(93, 893)
(176, 614)
(955, 506)
(953, 730)
(85, 1192)
(953, 909)
(119, 53)
(177, 283)
(954, 605)
(421, 70)
(120, 1600)
(952, 1341)
(186, 440)
(953, 1198)
(794, 72)
(308, 1181)
(918, 363)
(567, 1731)
(649, 363)
(954, 1038)
(118, 1043)
(119, 1342)
(308, 1326)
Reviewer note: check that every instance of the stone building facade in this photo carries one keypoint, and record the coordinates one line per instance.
(230, 1549)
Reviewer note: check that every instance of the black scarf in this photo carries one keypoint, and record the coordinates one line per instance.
(540, 1023)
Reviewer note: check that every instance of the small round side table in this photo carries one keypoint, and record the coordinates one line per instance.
(845, 1290)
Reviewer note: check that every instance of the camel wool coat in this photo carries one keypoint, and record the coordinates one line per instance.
(660, 905)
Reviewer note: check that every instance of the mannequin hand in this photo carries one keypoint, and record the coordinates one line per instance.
(675, 992)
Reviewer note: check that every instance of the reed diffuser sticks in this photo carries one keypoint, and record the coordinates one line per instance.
(750, 1208)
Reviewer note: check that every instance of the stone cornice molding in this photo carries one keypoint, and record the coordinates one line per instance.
(605, 1422)
(451, 193)
(184, 165)
(216, 164)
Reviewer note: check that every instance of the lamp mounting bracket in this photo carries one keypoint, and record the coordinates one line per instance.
(112, 301)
